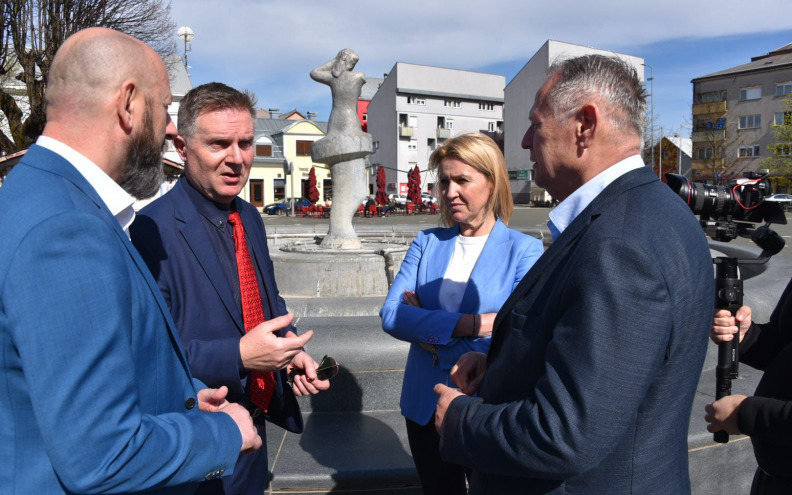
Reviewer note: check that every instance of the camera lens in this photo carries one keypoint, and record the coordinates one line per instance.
(703, 199)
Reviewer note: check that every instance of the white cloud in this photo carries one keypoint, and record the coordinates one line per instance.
(270, 46)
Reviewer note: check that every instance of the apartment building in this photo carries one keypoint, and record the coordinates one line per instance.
(418, 107)
(733, 113)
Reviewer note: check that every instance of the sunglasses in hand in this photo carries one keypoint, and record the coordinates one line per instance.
(327, 369)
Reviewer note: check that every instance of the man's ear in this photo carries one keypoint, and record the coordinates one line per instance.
(587, 120)
(181, 147)
(127, 105)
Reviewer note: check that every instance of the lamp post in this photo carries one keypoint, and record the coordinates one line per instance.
(186, 34)
(651, 111)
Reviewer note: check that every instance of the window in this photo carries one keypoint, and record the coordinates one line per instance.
(485, 105)
(412, 121)
(491, 126)
(750, 122)
(711, 96)
(749, 151)
(365, 117)
(782, 118)
(783, 150)
(279, 188)
(431, 144)
(412, 145)
(704, 153)
(304, 148)
(414, 100)
(452, 103)
(449, 124)
(327, 188)
(753, 93)
(783, 89)
(263, 150)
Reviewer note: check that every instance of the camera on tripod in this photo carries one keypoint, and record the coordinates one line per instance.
(728, 212)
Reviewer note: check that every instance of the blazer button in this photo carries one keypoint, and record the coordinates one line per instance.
(189, 403)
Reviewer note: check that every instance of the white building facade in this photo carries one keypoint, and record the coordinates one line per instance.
(519, 98)
(418, 107)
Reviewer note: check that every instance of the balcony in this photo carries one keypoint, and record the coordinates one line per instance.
(405, 131)
(443, 133)
(709, 136)
(718, 107)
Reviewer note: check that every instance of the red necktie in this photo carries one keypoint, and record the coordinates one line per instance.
(263, 382)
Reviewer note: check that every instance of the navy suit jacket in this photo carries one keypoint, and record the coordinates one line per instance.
(172, 239)
(596, 356)
(96, 395)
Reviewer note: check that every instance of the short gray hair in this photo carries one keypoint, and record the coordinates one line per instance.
(612, 80)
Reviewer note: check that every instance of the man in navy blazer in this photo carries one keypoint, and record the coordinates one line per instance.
(596, 355)
(97, 396)
(188, 243)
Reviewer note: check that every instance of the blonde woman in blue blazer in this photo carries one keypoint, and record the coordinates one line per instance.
(452, 282)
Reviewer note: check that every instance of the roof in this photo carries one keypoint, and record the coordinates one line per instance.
(779, 58)
(684, 144)
(275, 126)
(179, 79)
(369, 89)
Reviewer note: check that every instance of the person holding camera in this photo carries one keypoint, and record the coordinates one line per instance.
(766, 416)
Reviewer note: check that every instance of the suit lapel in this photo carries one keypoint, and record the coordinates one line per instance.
(495, 251)
(56, 164)
(571, 235)
(194, 233)
(438, 261)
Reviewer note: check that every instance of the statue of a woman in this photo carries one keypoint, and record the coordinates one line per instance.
(345, 88)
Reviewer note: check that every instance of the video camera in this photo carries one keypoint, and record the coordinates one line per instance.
(727, 212)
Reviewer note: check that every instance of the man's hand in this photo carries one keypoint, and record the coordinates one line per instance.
(468, 372)
(305, 382)
(722, 414)
(446, 394)
(724, 325)
(251, 441)
(212, 399)
(262, 350)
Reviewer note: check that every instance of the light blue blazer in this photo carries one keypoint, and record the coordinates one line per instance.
(95, 393)
(506, 257)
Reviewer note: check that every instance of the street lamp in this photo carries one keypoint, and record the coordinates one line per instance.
(651, 111)
(186, 34)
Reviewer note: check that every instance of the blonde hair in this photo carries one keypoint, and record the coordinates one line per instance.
(480, 152)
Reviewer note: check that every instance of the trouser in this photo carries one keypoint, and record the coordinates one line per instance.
(437, 476)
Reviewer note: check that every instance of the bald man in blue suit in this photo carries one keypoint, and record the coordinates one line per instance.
(96, 394)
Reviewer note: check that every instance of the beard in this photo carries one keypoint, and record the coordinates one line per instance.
(144, 173)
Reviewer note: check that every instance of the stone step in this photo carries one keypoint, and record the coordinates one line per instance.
(355, 439)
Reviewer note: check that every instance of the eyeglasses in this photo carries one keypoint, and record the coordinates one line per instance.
(328, 368)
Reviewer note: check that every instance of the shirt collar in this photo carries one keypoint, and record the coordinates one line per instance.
(566, 211)
(118, 201)
(216, 213)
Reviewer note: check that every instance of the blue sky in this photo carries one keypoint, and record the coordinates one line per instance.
(270, 46)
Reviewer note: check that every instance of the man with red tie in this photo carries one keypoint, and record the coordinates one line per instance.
(207, 249)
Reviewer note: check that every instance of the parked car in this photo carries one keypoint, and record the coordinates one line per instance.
(427, 199)
(784, 199)
(400, 199)
(283, 206)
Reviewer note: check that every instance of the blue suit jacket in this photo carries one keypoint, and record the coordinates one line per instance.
(506, 257)
(96, 395)
(172, 238)
(596, 356)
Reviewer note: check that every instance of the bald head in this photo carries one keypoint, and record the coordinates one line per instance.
(92, 64)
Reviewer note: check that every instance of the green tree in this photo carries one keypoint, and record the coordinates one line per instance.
(31, 31)
(780, 161)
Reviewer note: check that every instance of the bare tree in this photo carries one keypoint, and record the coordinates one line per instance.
(780, 161)
(31, 31)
